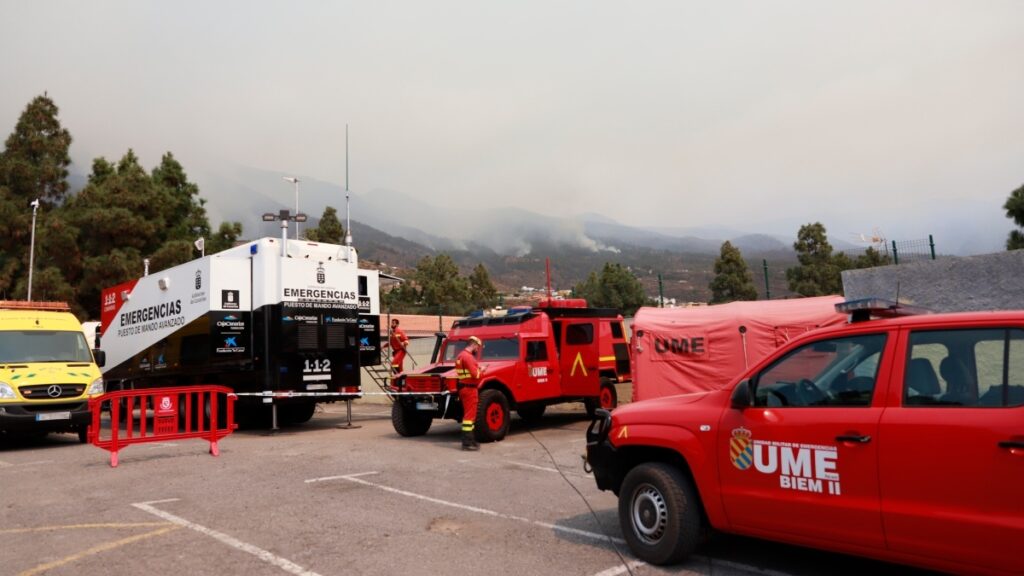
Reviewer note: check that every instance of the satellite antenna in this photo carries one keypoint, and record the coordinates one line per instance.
(876, 238)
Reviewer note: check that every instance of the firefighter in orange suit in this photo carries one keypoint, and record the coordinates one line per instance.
(398, 342)
(469, 372)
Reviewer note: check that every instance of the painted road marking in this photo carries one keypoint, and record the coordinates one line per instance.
(17, 464)
(621, 569)
(711, 563)
(96, 550)
(356, 478)
(111, 525)
(548, 469)
(268, 557)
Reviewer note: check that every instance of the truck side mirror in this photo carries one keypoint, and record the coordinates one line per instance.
(742, 395)
(100, 356)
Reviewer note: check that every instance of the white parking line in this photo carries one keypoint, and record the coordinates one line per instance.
(711, 563)
(355, 478)
(547, 469)
(18, 464)
(268, 557)
(621, 569)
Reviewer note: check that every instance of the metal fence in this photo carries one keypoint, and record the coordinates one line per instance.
(913, 250)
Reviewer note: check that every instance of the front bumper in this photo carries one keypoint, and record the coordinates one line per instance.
(63, 417)
(602, 457)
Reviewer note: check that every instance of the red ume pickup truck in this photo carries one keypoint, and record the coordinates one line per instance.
(895, 436)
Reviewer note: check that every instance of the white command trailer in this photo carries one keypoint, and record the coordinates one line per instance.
(292, 328)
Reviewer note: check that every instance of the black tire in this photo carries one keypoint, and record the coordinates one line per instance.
(408, 421)
(83, 435)
(659, 513)
(492, 417)
(531, 413)
(298, 413)
(608, 398)
(252, 416)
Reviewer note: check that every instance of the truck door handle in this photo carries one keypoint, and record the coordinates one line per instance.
(1011, 444)
(854, 438)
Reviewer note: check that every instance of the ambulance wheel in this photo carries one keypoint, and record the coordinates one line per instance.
(83, 434)
(659, 513)
(531, 413)
(408, 421)
(492, 417)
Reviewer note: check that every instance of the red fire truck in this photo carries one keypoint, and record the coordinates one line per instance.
(560, 351)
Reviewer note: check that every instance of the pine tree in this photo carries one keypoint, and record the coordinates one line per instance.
(615, 287)
(226, 237)
(441, 287)
(33, 165)
(817, 274)
(1015, 210)
(733, 279)
(482, 293)
(329, 230)
(35, 160)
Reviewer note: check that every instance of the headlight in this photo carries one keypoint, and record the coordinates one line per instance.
(6, 392)
(95, 388)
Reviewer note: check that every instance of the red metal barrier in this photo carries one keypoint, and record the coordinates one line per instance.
(165, 414)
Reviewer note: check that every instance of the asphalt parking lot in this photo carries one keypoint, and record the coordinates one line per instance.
(319, 499)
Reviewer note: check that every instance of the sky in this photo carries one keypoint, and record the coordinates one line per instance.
(903, 116)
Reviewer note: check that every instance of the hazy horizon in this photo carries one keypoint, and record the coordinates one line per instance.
(896, 115)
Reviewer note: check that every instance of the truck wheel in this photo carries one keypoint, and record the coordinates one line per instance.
(531, 413)
(492, 417)
(297, 413)
(658, 513)
(83, 434)
(607, 398)
(408, 421)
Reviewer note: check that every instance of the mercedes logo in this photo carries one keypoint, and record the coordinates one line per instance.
(54, 391)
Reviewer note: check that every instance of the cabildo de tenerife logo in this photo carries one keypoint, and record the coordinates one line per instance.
(801, 467)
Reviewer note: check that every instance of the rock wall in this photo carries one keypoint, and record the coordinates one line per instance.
(949, 284)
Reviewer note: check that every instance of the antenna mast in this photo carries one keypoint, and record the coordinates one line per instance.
(348, 210)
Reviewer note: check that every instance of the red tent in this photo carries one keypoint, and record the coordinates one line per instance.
(679, 350)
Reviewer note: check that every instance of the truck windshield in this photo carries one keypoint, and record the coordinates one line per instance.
(43, 346)
(494, 349)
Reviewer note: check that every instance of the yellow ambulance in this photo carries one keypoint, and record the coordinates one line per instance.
(47, 371)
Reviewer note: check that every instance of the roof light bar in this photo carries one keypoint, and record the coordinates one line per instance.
(868, 308)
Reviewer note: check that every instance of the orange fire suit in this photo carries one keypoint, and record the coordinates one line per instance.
(398, 341)
(468, 372)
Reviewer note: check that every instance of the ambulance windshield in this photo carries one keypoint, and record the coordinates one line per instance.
(23, 346)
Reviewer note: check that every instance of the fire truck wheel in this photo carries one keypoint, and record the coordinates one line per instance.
(492, 417)
(408, 421)
(607, 398)
(531, 413)
(659, 514)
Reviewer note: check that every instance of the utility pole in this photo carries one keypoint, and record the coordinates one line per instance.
(32, 247)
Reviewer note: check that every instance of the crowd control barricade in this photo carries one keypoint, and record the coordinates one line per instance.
(165, 414)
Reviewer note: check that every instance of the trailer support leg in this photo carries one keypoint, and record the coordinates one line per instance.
(273, 418)
(348, 412)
